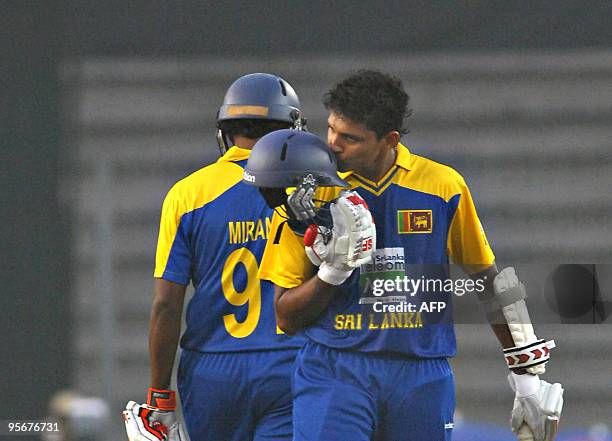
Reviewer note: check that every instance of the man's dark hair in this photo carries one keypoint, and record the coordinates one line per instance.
(251, 128)
(372, 98)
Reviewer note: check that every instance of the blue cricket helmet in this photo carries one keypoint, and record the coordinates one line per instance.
(260, 96)
(288, 158)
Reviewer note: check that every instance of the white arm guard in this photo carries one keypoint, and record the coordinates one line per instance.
(350, 244)
(537, 407)
(529, 352)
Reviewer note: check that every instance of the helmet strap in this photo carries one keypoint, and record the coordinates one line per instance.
(222, 142)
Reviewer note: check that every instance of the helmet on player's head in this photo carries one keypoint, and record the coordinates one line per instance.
(259, 96)
(290, 158)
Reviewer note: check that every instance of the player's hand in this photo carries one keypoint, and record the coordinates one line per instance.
(154, 420)
(537, 406)
(348, 245)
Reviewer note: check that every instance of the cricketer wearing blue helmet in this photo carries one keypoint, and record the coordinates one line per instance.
(234, 375)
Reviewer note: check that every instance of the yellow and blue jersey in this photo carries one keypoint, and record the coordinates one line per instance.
(424, 216)
(213, 232)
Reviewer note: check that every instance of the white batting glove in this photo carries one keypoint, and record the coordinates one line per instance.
(537, 405)
(155, 420)
(350, 244)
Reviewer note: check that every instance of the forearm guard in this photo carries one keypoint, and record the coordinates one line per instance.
(529, 352)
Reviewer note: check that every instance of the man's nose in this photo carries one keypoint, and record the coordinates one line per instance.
(332, 141)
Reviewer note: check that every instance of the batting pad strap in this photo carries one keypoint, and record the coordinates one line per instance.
(529, 355)
(162, 399)
(505, 298)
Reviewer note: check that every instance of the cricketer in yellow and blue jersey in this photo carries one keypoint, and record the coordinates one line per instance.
(236, 364)
(374, 365)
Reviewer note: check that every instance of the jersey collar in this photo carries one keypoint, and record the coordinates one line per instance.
(235, 153)
(403, 158)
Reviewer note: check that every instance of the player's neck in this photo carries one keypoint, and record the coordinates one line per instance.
(244, 142)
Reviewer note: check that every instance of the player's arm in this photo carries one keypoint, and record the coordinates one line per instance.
(538, 404)
(496, 318)
(504, 302)
(298, 307)
(503, 296)
(164, 330)
(155, 420)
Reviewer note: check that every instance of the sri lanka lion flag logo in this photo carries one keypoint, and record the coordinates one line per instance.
(414, 221)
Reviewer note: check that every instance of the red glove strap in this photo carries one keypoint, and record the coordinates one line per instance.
(310, 235)
(162, 399)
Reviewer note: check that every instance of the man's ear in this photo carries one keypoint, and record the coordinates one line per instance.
(392, 138)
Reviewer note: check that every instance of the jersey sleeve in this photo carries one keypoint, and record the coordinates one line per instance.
(173, 256)
(284, 261)
(467, 243)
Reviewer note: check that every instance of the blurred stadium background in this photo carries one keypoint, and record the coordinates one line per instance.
(109, 104)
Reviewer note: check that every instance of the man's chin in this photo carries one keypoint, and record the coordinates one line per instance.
(343, 166)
